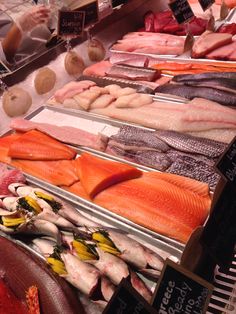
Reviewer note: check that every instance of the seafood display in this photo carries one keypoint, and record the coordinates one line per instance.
(93, 258)
(151, 43)
(97, 177)
(169, 151)
(215, 86)
(164, 22)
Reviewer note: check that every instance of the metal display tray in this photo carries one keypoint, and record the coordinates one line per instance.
(126, 224)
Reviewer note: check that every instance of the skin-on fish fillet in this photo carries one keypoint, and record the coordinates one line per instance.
(34, 145)
(224, 135)
(177, 217)
(64, 134)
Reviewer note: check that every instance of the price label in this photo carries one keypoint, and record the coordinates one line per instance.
(227, 163)
(181, 291)
(181, 11)
(126, 300)
(91, 11)
(71, 23)
(116, 3)
(206, 4)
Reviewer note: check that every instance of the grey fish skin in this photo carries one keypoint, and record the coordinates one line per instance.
(159, 161)
(143, 137)
(200, 76)
(174, 154)
(195, 169)
(222, 84)
(191, 144)
(190, 92)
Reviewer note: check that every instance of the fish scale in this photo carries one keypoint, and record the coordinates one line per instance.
(191, 144)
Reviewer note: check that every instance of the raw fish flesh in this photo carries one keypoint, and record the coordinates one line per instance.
(61, 172)
(209, 41)
(77, 189)
(176, 218)
(190, 92)
(64, 134)
(226, 52)
(225, 135)
(102, 101)
(191, 144)
(97, 174)
(5, 143)
(8, 176)
(34, 145)
(85, 98)
(98, 69)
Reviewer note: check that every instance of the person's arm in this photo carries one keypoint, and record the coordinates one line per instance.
(33, 17)
(11, 42)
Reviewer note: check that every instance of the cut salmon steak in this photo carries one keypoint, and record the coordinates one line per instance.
(97, 174)
(34, 145)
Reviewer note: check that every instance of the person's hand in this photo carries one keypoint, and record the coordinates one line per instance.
(33, 17)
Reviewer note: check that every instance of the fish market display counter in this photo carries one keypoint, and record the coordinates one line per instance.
(109, 170)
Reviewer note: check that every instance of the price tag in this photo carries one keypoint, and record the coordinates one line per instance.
(227, 163)
(181, 291)
(181, 11)
(91, 11)
(126, 300)
(206, 4)
(116, 3)
(70, 23)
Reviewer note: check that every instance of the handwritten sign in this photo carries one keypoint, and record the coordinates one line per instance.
(206, 4)
(181, 11)
(180, 291)
(227, 163)
(70, 23)
(126, 300)
(116, 3)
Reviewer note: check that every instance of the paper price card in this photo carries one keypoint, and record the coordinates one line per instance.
(70, 23)
(181, 11)
(180, 291)
(206, 4)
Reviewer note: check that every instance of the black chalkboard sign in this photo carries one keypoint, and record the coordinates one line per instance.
(180, 291)
(227, 163)
(70, 23)
(116, 3)
(181, 11)
(126, 300)
(206, 4)
(3, 69)
(91, 12)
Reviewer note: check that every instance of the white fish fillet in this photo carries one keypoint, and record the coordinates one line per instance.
(222, 135)
(102, 101)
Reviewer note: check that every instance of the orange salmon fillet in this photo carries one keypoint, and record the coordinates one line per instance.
(34, 145)
(97, 174)
(157, 205)
(61, 172)
(77, 189)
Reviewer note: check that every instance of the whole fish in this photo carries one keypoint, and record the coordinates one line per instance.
(191, 144)
(190, 92)
(57, 205)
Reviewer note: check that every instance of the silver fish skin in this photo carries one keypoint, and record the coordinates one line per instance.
(191, 144)
(44, 245)
(190, 92)
(159, 161)
(203, 76)
(130, 134)
(67, 211)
